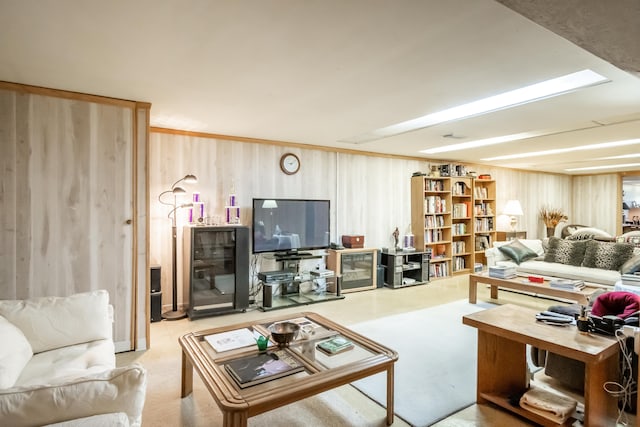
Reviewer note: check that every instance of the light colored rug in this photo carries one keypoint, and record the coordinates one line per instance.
(435, 374)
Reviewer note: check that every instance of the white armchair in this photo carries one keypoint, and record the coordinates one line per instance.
(57, 364)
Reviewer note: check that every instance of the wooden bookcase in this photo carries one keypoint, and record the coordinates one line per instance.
(462, 231)
(431, 221)
(484, 217)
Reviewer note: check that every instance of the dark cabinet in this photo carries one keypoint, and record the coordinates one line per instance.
(216, 269)
(405, 268)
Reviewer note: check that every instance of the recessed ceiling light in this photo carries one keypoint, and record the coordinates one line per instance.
(591, 168)
(623, 156)
(534, 92)
(566, 150)
(481, 142)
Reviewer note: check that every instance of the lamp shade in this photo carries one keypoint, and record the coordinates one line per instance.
(269, 204)
(513, 208)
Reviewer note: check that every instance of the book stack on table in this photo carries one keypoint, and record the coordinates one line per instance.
(632, 279)
(335, 345)
(567, 284)
(502, 272)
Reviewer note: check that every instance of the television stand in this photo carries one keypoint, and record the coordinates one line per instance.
(293, 256)
(289, 287)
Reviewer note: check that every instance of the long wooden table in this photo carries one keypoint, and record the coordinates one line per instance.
(504, 332)
(523, 284)
(322, 372)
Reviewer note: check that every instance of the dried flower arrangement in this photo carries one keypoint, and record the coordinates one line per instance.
(552, 216)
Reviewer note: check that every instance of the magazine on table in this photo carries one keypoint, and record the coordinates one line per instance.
(259, 368)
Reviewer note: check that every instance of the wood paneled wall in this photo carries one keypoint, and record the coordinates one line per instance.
(370, 195)
(597, 200)
(67, 200)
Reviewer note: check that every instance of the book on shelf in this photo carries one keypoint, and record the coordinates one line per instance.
(335, 345)
(259, 368)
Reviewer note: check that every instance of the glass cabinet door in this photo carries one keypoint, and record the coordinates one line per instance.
(357, 270)
(213, 270)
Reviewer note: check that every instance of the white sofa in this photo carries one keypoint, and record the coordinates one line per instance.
(538, 266)
(57, 365)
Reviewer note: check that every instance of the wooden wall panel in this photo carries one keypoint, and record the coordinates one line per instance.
(66, 195)
(596, 199)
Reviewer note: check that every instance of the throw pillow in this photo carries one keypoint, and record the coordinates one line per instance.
(606, 255)
(15, 353)
(631, 266)
(569, 252)
(517, 251)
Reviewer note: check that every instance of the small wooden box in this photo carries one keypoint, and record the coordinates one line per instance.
(353, 241)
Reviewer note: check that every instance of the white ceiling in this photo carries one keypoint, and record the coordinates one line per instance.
(320, 71)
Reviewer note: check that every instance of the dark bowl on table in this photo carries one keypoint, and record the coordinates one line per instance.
(284, 332)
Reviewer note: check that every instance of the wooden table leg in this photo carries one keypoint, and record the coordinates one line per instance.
(502, 366)
(390, 395)
(187, 376)
(473, 290)
(600, 406)
(494, 292)
(235, 419)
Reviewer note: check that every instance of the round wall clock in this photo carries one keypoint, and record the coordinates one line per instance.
(289, 163)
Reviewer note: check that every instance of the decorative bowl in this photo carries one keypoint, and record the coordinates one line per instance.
(284, 332)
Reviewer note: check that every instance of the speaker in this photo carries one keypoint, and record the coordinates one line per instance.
(156, 306)
(267, 295)
(155, 278)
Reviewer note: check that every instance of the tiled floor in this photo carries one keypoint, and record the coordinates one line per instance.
(164, 407)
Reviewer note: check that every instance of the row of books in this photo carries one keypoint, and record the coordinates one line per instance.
(566, 284)
(480, 193)
(459, 263)
(461, 210)
(439, 269)
(450, 169)
(459, 189)
(484, 224)
(483, 209)
(435, 204)
(458, 247)
(435, 235)
(459, 229)
(502, 272)
(433, 221)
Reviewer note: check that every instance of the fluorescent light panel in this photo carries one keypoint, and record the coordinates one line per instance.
(481, 142)
(590, 168)
(566, 150)
(534, 92)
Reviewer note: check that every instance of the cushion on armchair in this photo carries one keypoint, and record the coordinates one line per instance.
(15, 353)
(117, 390)
(54, 322)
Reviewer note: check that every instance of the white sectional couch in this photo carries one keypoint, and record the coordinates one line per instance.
(57, 364)
(538, 266)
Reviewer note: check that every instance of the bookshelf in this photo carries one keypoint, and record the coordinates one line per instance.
(462, 232)
(484, 217)
(431, 203)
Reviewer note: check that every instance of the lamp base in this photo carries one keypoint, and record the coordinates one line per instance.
(174, 315)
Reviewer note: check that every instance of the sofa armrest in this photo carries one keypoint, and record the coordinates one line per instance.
(115, 390)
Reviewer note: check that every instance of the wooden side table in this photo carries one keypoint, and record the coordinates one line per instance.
(505, 236)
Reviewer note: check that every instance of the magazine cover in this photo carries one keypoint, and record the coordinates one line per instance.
(262, 367)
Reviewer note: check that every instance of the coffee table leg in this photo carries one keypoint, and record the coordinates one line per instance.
(390, 395)
(187, 376)
(494, 292)
(473, 290)
(235, 419)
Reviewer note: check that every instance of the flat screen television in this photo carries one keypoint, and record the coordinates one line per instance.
(288, 226)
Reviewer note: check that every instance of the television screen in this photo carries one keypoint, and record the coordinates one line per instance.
(290, 225)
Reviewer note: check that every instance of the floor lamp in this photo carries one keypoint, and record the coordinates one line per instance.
(175, 313)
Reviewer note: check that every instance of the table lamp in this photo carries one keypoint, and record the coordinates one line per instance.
(513, 209)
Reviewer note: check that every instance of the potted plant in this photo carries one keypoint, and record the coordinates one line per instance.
(551, 218)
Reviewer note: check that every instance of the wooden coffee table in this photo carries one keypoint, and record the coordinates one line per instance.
(504, 332)
(523, 284)
(322, 372)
